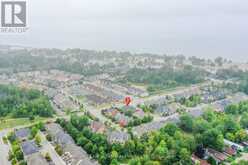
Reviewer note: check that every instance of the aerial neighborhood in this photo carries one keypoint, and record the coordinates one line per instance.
(82, 107)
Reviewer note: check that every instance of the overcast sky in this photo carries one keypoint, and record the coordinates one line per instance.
(203, 28)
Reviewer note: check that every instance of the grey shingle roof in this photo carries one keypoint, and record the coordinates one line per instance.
(78, 155)
(29, 148)
(36, 159)
(118, 136)
(22, 133)
(58, 134)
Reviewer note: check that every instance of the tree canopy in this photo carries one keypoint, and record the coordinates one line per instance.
(18, 102)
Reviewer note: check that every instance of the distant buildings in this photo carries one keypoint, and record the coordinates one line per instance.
(166, 110)
(220, 105)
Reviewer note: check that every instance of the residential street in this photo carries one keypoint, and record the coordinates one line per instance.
(4, 149)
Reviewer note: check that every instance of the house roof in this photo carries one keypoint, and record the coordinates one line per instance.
(128, 108)
(97, 126)
(196, 112)
(238, 97)
(201, 161)
(58, 134)
(230, 151)
(221, 104)
(161, 109)
(139, 113)
(155, 125)
(218, 155)
(78, 155)
(118, 136)
(22, 133)
(36, 159)
(230, 143)
(29, 147)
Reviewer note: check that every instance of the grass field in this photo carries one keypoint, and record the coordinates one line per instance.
(10, 123)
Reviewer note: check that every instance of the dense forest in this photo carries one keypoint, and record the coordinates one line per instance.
(17, 102)
(166, 77)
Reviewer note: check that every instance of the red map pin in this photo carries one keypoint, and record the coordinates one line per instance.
(127, 100)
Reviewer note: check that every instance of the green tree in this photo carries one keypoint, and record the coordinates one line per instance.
(37, 140)
(185, 157)
(244, 120)
(160, 151)
(186, 122)
(213, 138)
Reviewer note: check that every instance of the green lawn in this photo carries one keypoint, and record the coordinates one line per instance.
(10, 123)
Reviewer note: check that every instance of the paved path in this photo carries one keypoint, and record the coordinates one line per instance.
(4, 150)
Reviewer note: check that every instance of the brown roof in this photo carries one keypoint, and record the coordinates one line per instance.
(218, 155)
(97, 127)
(202, 162)
(230, 151)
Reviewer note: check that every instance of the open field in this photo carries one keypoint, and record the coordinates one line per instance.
(11, 123)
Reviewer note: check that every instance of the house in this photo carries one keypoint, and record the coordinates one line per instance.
(179, 96)
(230, 151)
(233, 145)
(118, 137)
(63, 102)
(121, 119)
(196, 112)
(214, 95)
(58, 134)
(216, 155)
(220, 106)
(128, 108)
(135, 91)
(97, 127)
(74, 155)
(173, 107)
(139, 113)
(238, 97)
(22, 133)
(198, 161)
(95, 99)
(154, 126)
(51, 93)
(36, 159)
(166, 110)
(29, 147)
(110, 112)
(162, 110)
